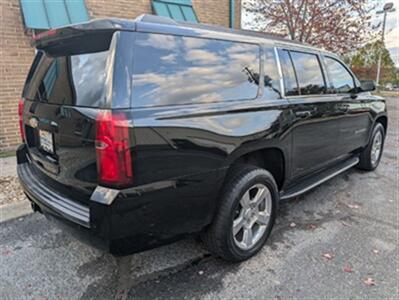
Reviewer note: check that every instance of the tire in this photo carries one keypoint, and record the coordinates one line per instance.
(368, 161)
(248, 181)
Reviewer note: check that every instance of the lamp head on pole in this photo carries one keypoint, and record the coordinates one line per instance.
(388, 7)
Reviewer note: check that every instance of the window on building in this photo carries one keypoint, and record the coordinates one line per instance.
(272, 77)
(290, 81)
(309, 73)
(179, 10)
(51, 14)
(171, 70)
(341, 80)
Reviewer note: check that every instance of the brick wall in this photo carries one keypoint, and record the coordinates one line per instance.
(208, 11)
(16, 53)
(15, 58)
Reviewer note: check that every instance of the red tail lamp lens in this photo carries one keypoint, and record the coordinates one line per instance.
(114, 162)
(21, 105)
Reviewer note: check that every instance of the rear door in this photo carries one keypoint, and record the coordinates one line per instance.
(316, 121)
(356, 121)
(64, 91)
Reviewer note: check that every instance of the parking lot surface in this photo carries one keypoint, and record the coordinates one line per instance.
(339, 241)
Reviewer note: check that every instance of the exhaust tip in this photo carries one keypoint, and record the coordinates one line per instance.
(35, 207)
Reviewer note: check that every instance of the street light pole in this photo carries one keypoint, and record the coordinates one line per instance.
(388, 7)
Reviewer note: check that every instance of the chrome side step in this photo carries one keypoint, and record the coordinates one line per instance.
(319, 178)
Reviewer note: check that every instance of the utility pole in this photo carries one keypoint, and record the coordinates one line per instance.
(388, 7)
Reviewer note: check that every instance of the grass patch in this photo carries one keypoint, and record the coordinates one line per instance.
(7, 154)
(387, 93)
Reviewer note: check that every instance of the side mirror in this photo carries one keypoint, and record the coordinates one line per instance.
(367, 85)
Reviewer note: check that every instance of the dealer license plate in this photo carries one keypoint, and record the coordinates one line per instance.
(46, 141)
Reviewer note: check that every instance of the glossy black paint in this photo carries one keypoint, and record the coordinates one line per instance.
(182, 153)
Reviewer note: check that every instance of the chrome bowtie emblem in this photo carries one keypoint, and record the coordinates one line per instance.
(33, 122)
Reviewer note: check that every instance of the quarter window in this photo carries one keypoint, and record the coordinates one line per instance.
(309, 74)
(272, 78)
(171, 70)
(290, 82)
(340, 79)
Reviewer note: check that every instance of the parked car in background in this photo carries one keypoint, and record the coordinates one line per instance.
(136, 133)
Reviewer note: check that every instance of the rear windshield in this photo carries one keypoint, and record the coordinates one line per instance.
(77, 80)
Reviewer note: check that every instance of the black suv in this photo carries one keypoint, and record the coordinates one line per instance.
(139, 132)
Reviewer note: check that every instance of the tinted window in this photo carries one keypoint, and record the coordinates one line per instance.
(272, 78)
(340, 79)
(308, 72)
(178, 70)
(70, 80)
(290, 83)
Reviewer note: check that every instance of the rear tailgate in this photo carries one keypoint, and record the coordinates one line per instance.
(68, 84)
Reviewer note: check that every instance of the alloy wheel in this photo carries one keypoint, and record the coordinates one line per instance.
(252, 216)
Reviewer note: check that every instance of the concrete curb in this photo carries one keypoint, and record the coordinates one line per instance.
(15, 210)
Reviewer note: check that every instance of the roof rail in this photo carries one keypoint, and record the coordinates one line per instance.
(168, 21)
(156, 19)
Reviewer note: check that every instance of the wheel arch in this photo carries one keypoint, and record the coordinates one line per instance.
(383, 120)
(379, 119)
(271, 158)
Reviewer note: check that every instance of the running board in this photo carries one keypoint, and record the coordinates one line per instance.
(319, 178)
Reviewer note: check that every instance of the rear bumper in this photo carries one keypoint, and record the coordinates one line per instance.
(67, 213)
(125, 221)
(44, 196)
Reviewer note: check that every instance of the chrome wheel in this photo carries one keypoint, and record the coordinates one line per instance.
(252, 216)
(376, 148)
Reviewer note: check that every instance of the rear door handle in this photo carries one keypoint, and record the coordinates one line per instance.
(303, 114)
(344, 107)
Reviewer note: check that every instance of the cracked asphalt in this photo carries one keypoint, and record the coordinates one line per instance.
(339, 241)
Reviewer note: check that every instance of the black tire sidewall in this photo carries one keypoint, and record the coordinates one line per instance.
(252, 178)
(377, 128)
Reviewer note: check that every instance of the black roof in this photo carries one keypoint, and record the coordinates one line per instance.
(215, 28)
(164, 24)
(159, 24)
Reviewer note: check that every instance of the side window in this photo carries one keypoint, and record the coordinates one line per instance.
(290, 82)
(309, 73)
(341, 80)
(272, 80)
(169, 70)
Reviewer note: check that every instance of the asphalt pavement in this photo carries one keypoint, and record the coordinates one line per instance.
(339, 241)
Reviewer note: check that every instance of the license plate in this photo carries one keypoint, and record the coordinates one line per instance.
(46, 141)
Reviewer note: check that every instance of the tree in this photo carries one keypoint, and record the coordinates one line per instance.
(364, 63)
(336, 25)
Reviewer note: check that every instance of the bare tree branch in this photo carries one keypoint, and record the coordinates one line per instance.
(339, 25)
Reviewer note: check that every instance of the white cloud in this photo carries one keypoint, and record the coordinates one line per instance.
(171, 58)
(162, 41)
(195, 43)
(202, 56)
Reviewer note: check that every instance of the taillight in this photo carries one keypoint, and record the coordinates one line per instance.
(21, 104)
(114, 162)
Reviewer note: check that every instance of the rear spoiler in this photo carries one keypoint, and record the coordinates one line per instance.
(79, 38)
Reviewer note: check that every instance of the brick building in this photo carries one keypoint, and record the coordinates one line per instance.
(16, 54)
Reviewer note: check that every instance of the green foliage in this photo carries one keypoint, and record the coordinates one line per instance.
(364, 63)
(4, 154)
